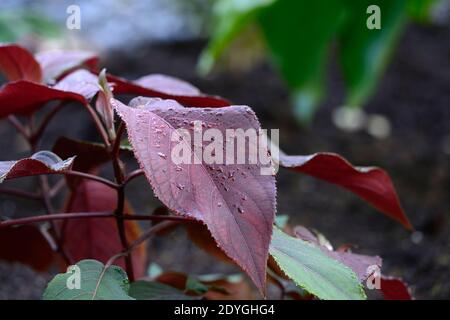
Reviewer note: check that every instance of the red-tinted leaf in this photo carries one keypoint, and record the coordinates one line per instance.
(26, 245)
(89, 156)
(55, 63)
(98, 238)
(42, 162)
(166, 88)
(370, 183)
(236, 202)
(24, 97)
(395, 289)
(359, 263)
(16, 63)
(201, 237)
(81, 81)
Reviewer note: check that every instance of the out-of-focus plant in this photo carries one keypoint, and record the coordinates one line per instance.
(300, 33)
(15, 25)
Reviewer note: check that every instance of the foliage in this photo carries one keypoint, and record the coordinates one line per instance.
(300, 34)
(229, 210)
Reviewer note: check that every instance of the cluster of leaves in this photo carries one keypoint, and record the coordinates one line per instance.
(299, 35)
(227, 210)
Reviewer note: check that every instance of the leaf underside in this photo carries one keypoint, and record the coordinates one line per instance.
(313, 270)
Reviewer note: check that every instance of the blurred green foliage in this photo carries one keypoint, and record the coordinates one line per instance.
(14, 25)
(300, 33)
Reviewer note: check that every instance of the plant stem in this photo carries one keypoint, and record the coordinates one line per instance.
(19, 126)
(99, 125)
(144, 237)
(81, 215)
(134, 174)
(119, 212)
(20, 193)
(92, 177)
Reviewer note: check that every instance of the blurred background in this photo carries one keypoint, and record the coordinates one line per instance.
(314, 70)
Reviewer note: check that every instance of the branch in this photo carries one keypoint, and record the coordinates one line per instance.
(91, 177)
(132, 175)
(20, 193)
(81, 215)
(18, 126)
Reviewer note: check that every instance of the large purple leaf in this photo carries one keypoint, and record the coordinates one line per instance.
(16, 63)
(57, 62)
(236, 202)
(24, 97)
(42, 162)
(360, 264)
(370, 183)
(166, 88)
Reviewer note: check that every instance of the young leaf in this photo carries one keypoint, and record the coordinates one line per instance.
(98, 238)
(58, 62)
(96, 283)
(152, 290)
(176, 90)
(13, 99)
(236, 202)
(370, 183)
(103, 104)
(17, 63)
(42, 162)
(360, 264)
(313, 270)
(395, 289)
(26, 245)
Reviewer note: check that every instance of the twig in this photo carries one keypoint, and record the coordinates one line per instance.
(81, 215)
(18, 126)
(20, 193)
(132, 175)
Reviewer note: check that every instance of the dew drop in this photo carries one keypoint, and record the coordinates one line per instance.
(162, 155)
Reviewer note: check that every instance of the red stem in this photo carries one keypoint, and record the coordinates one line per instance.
(81, 215)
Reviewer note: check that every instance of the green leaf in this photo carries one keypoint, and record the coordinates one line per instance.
(96, 283)
(299, 34)
(364, 52)
(312, 270)
(230, 17)
(196, 286)
(420, 10)
(151, 290)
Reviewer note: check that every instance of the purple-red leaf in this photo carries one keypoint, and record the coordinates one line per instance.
(81, 81)
(24, 97)
(42, 162)
(235, 201)
(360, 264)
(98, 238)
(58, 62)
(16, 63)
(166, 88)
(370, 183)
(89, 156)
(26, 245)
(395, 289)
